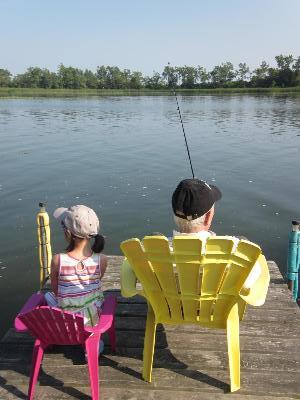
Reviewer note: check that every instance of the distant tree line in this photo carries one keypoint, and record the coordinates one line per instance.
(285, 74)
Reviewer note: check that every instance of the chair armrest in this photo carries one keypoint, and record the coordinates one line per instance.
(35, 300)
(256, 295)
(128, 280)
(108, 313)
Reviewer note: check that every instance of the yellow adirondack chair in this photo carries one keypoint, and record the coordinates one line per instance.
(196, 282)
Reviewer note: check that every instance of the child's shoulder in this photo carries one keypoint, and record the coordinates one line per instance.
(56, 258)
(55, 263)
(62, 259)
(103, 258)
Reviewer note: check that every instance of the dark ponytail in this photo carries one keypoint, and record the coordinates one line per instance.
(71, 244)
(98, 245)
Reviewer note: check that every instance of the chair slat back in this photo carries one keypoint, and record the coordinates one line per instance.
(196, 281)
(157, 252)
(54, 326)
(188, 259)
(72, 327)
(145, 274)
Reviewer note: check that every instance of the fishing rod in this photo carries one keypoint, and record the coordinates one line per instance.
(180, 117)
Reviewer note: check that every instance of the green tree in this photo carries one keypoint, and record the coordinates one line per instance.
(136, 80)
(5, 78)
(285, 75)
(91, 80)
(101, 75)
(116, 78)
(296, 71)
(243, 73)
(154, 82)
(54, 80)
(48, 80)
(36, 77)
(170, 76)
(296, 65)
(45, 79)
(203, 76)
(260, 75)
(30, 79)
(112, 77)
(71, 78)
(222, 74)
(188, 76)
(284, 62)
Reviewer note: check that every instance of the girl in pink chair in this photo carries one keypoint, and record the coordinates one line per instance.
(76, 275)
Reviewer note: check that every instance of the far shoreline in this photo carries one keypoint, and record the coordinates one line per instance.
(40, 92)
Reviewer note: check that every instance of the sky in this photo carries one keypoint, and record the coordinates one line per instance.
(144, 35)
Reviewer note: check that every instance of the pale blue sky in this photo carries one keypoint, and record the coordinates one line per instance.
(144, 35)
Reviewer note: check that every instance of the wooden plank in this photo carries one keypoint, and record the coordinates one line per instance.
(257, 322)
(169, 359)
(182, 341)
(134, 325)
(252, 313)
(116, 375)
(250, 328)
(83, 393)
(115, 262)
(277, 298)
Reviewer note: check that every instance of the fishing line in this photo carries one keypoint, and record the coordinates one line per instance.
(186, 143)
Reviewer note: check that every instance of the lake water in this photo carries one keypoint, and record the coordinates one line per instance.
(123, 156)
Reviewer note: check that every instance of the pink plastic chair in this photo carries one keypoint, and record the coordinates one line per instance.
(54, 326)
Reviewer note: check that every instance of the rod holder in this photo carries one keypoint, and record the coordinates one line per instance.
(293, 260)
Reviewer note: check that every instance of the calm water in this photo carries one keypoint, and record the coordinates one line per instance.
(123, 156)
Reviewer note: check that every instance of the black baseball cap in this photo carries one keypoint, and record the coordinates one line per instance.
(193, 198)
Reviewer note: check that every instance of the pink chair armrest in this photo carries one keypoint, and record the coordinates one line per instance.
(106, 317)
(35, 300)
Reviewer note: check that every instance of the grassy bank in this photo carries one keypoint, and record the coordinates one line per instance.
(39, 92)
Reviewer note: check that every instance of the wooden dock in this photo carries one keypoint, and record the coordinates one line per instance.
(190, 362)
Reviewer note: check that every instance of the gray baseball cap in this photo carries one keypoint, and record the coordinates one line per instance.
(80, 220)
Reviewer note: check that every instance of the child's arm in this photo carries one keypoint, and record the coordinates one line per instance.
(103, 265)
(54, 273)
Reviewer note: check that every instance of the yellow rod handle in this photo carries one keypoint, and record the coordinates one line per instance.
(45, 253)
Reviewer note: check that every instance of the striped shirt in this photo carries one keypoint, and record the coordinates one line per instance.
(79, 287)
